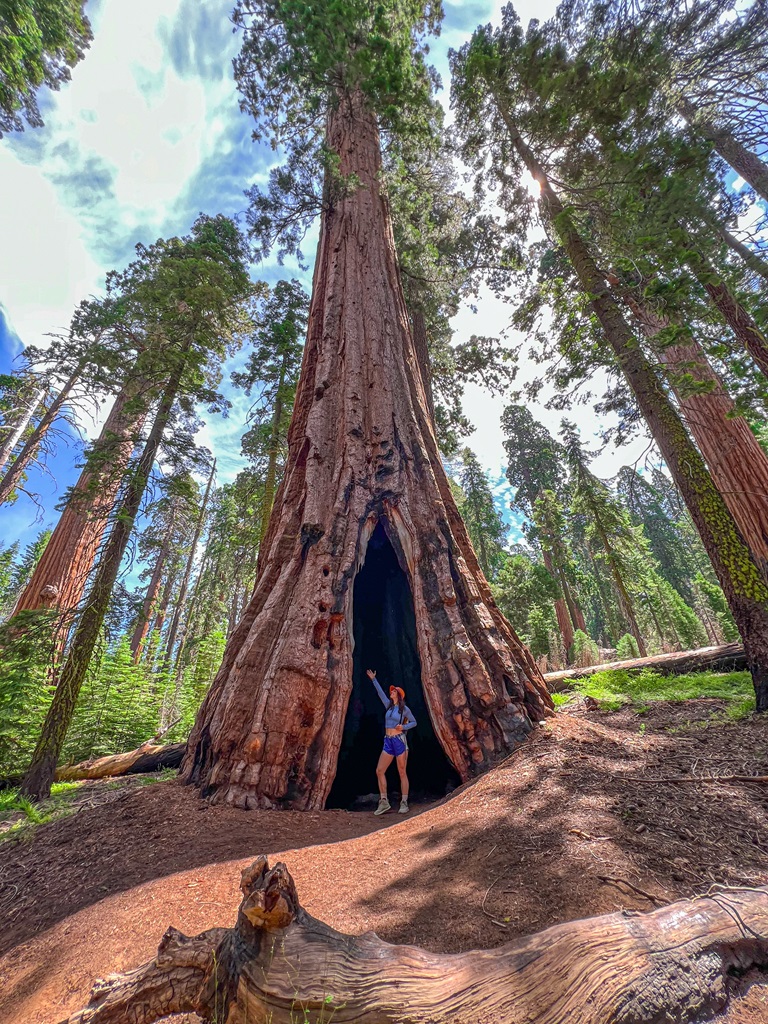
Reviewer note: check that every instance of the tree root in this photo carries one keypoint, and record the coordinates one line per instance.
(279, 965)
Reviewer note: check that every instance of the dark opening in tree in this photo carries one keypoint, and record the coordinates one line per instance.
(384, 629)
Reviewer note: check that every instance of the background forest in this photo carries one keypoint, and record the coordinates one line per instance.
(613, 149)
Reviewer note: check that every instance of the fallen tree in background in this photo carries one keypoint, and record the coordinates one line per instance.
(680, 962)
(725, 658)
(149, 757)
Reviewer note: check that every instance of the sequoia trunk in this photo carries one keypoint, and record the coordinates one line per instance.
(61, 575)
(739, 575)
(361, 450)
(562, 611)
(738, 464)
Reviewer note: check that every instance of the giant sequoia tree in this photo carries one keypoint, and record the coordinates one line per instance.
(497, 104)
(363, 480)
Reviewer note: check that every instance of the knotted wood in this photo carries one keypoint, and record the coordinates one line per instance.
(279, 964)
(361, 451)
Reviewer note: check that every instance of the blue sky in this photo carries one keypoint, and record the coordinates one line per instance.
(147, 135)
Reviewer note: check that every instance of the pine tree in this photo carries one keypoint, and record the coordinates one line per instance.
(478, 510)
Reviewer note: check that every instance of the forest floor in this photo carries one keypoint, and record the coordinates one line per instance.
(580, 821)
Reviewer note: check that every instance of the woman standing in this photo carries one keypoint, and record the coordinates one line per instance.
(397, 720)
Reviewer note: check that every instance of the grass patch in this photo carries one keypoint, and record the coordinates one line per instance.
(615, 688)
(14, 805)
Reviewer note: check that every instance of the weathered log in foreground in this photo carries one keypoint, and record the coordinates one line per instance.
(149, 757)
(279, 965)
(725, 658)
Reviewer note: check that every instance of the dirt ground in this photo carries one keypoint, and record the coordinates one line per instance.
(578, 822)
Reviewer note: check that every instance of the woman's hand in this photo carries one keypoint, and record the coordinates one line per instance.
(398, 728)
(371, 673)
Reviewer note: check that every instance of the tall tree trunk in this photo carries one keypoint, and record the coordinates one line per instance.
(737, 463)
(15, 471)
(270, 479)
(575, 612)
(40, 775)
(564, 623)
(745, 329)
(60, 576)
(626, 604)
(141, 630)
(181, 597)
(751, 259)
(17, 427)
(746, 163)
(738, 573)
(154, 637)
(421, 345)
(361, 451)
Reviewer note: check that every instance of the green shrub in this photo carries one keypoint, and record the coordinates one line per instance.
(627, 648)
(584, 650)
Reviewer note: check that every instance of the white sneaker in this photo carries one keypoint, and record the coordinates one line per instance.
(403, 807)
(384, 806)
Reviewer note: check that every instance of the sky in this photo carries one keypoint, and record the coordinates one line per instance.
(147, 135)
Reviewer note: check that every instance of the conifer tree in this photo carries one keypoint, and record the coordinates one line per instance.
(492, 89)
(327, 79)
(478, 510)
(40, 41)
(188, 294)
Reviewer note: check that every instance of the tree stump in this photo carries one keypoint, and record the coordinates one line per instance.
(279, 965)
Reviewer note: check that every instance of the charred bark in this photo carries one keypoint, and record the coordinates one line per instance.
(278, 964)
(361, 450)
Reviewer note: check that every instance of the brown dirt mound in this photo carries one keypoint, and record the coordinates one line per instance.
(570, 826)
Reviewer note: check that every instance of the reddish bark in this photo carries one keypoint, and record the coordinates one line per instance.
(564, 623)
(61, 574)
(738, 464)
(746, 163)
(361, 451)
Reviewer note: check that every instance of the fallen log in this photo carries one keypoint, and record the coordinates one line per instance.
(278, 964)
(149, 757)
(725, 658)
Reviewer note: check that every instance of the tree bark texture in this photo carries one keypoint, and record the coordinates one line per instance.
(13, 474)
(61, 575)
(732, 311)
(757, 264)
(746, 163)
(738, 464)
(41, 772)
(181, 597)
(564, 623)
(720, 658)
(361, 450)
(421, 344)
(16, 427)
(739, 575)
(149, 757)
(279, 965)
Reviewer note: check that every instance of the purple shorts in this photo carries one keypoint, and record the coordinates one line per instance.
(394, 745)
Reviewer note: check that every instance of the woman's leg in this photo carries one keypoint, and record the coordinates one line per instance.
(402, 762)
(385, 760)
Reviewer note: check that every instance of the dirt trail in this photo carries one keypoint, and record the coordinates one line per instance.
(528, 845)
